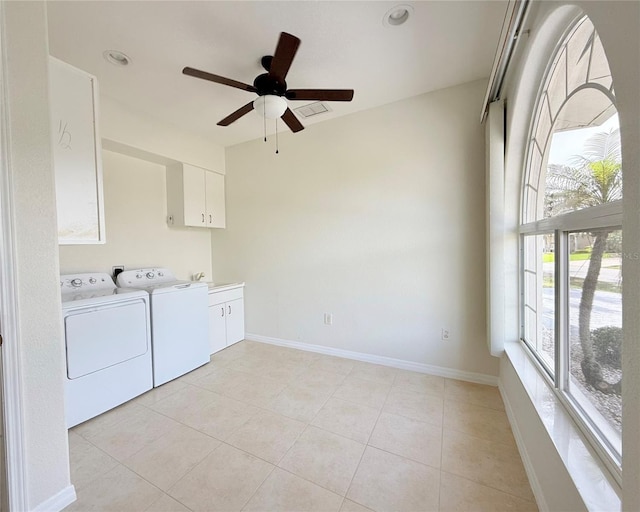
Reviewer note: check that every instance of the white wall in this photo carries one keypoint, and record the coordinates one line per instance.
(618, 24)
(40, 341)
(137, 134)
(377, 218)
(136, 228)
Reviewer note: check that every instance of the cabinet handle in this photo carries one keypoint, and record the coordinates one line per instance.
(210, 219)
(229, 308)
(203, 218)
(222, 310)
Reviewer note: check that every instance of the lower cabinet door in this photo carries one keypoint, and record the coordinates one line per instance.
(235, 320)
(217, 327)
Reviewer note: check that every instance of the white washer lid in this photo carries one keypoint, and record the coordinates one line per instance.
(154, 289)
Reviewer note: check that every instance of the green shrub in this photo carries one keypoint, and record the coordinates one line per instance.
(607, 345)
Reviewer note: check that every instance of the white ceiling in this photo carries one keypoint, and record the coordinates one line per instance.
(344, 45)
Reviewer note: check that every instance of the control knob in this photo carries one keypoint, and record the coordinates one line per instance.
(150, 275)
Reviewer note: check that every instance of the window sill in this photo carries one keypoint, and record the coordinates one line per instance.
(588, 473)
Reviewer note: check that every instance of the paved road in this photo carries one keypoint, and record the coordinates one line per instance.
(579, 269)
(607, 308)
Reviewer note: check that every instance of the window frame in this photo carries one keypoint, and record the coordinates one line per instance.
(607, 215)
(570, 222)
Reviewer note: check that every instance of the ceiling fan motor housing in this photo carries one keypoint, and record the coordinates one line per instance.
(269, 85)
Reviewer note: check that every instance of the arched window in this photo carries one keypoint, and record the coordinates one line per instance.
(571, 236)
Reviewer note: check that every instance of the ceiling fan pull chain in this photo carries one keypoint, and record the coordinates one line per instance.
(277, 136)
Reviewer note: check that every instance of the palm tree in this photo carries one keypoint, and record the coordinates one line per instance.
(594, 178)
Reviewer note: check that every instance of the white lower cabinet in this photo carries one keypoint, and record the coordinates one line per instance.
(217, 327)
(226, 316)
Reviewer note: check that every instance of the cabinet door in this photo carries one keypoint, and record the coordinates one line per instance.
(217, 327)
(214, 186)
(77, 155)
(235, 321)
(194, 197)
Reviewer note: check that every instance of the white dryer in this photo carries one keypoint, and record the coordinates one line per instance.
(107, 336)
(179, 321)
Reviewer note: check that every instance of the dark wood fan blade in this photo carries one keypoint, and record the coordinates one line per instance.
(236, 115)
(285, 52)
(218, 79)
(291, 121)
(320, 94)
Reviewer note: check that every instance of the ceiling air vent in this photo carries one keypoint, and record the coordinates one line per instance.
(312, 109)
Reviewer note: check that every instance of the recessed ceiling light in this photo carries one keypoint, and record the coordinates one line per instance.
(397, 15)
(116, 58)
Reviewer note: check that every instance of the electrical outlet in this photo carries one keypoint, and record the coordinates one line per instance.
(446, 335)
(328, 319)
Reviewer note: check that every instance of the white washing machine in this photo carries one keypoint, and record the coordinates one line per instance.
(107, 334)
(179, 321)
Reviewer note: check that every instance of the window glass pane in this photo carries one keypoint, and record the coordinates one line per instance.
(599, 67)
(557, 91)
(579, 52)
(539, 301)
(585, 164)
(575, 162)
(595, 327)
(544, 122)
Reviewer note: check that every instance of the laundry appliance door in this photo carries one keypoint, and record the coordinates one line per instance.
(102, 336)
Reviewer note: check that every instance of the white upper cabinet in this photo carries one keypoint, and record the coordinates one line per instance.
(76, 154)
(195, 197)
(214, 191)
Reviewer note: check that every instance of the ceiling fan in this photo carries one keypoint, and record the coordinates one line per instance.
(271, 87)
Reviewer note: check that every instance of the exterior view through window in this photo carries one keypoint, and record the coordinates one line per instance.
(571, 238)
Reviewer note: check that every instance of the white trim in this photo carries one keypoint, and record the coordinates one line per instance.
(600, 216)
(12, 395)
(451, 373)
(58, 501)
(591, 477)
(538, 493)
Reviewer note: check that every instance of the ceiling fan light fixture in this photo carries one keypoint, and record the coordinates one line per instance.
(397, 15)
(270, 106)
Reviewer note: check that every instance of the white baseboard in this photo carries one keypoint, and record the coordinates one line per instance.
(58, 501)
(451, 373)
(536, 488)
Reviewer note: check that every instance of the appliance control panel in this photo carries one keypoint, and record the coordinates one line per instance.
(86, 282)
(145, 277)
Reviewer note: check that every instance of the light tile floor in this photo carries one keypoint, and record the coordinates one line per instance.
(266, 428)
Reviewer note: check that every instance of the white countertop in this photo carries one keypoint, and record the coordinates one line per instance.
(221, 287)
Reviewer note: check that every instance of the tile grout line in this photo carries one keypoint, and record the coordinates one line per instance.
(259, 487)
(307, 423)
(367, 443)
(490, 487)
